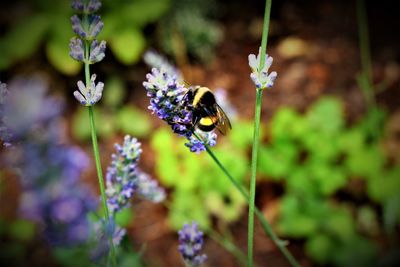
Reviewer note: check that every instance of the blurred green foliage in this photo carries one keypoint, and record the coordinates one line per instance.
(14, 237)
(328, 168)
(190, 30)
(47, 22)
(112, 116)
(200, 189)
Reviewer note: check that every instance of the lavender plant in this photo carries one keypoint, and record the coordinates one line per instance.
(190, 245)
(124, 177)
(86, 49)
(259, 65)
(45, 167)
(169, 102)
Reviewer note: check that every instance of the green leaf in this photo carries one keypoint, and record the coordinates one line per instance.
(114, 93)
(124, 217)
(367, 220)
(277, 160)
(320, 248)
(228, 208)
(134, 121)
(242, 134)
(22, 230)
(57, 46)
(328, 179)
(73, 257)
(367, 162)
(357, 251)
(391, 213)
(81, 125)
(57, 51)
(294, 221)
(235, 161)
(127, 45)
(284, 123)
(340, 224)
(300, 182)
(142, 12)
(167, 164)
(23, 38)
(385, 185)
(187, 207)
(326, 115)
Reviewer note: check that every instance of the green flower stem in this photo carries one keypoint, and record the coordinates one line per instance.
(281, 244)
(254, 157)
(97, 155)
(256, 139)
(101, 181)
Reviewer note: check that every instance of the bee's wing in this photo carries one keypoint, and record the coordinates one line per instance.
(223, 124)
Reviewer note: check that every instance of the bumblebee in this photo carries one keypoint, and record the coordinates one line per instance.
(207, 114)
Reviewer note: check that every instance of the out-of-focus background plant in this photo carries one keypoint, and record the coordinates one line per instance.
(329, 165)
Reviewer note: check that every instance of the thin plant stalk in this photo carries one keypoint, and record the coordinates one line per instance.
(281, 244)
(256, 137)
(365, 54)
(97, 154)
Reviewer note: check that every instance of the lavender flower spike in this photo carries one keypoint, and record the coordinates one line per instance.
(261, 78)
(168, 101)
(121, 176)
(89, 95)
(190, 244)
(124, 178)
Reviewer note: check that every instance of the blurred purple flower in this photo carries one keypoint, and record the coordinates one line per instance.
(261, 78)
(49, 172)
(222, 98)
(155, 60)
(124, 177)
(190, 244)
(25, 108)
(149, 188)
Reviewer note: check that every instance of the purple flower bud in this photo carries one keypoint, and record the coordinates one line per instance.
(190, 244)
(77, 26)
(208, 138)
(89, 95)
(76, 49)
(97, 51)
(78, 5)
(95, 26)
(261, 78)
(93, 6)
